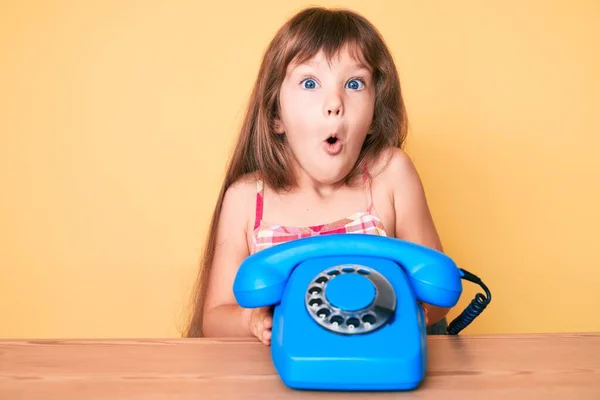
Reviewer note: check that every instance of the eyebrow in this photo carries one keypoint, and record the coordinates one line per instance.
(312, 64)
(362, 66)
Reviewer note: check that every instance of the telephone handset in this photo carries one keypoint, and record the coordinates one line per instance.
(262, 277)
(347, 313)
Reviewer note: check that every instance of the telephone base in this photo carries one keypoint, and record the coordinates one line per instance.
(308, 356)
(398, 371)
(352, 375)
(353, 387)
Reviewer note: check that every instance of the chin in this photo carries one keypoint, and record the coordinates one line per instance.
(329, 180)
(332, 177)
(328, 172)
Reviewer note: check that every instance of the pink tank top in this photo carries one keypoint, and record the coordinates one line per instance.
(267, 235)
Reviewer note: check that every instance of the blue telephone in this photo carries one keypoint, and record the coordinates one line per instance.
(346, 313)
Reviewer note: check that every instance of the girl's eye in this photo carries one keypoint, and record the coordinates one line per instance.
(355, 84)
(309, 83)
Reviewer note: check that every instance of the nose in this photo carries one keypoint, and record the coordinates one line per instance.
(334, 105)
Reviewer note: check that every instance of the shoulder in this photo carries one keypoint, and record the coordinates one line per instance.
(397, 173)
(242, 189)
(396, 170)
(239, 199)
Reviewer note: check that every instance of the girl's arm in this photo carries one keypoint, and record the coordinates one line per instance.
(413, 217)
(222, 315)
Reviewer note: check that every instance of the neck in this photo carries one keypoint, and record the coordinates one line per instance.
(323, 189)
(308, 184)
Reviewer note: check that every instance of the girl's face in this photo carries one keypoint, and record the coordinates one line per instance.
(325, 112)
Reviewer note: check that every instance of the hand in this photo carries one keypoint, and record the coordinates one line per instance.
(261, 321)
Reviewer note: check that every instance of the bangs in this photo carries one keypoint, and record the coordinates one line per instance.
(330, 32)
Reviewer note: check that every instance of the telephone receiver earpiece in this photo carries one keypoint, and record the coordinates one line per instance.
(262, 277)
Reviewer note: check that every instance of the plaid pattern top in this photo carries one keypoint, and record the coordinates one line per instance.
(267, 235)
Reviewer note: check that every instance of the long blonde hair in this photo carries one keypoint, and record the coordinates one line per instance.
(260, 150)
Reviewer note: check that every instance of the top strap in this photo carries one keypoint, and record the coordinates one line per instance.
(367, 181)
(259, 203)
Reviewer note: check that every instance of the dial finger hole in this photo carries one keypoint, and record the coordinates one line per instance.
(315, 302)
(314, 290)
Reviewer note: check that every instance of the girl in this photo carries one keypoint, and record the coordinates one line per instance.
(320, 152)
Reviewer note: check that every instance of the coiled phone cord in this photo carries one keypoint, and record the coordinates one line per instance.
(472, 311)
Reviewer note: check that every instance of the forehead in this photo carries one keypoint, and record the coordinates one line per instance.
(346, 56)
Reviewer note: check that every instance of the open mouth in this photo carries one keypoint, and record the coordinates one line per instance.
(333, 145)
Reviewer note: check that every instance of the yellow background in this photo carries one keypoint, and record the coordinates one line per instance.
(116, 119)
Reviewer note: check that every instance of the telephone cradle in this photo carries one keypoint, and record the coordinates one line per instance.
(346, 308)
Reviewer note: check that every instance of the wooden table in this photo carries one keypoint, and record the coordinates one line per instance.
(507, 367)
